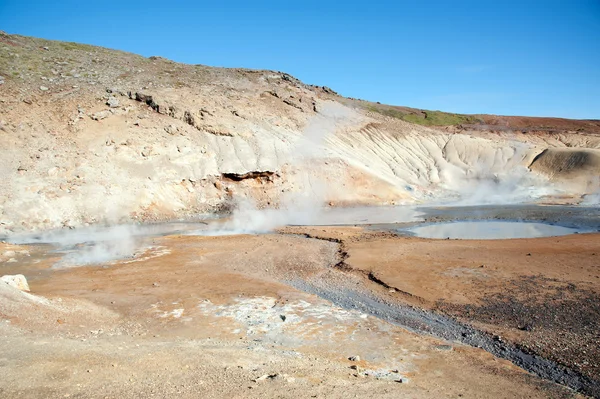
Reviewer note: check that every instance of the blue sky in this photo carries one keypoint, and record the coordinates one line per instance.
(539, 58)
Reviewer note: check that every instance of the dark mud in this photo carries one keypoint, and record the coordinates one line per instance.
(345, 287)
(440, 326)
(557, 320)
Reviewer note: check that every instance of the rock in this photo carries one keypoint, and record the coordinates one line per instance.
(264, 377)
(11, 260)
(146, 152)
(18, 281)
(9, 254)
(101, 115)
(112, 102)
(171, 129)
(443, 347)
(328, 90)
(189, 118)
(43, 88)
(46, 48)
(354, 358)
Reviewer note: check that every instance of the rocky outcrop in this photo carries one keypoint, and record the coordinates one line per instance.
(18, 281)
(265, 175)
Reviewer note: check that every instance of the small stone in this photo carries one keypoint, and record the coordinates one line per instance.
(264, 377)
(46, 48)
(101, 115)
(155, 284)
(282, 317)
(43, 88)
(171, 129)
(355, 358)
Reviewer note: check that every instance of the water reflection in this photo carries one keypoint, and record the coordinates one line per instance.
(489, 230)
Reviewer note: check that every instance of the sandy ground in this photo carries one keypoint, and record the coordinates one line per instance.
(212, 317)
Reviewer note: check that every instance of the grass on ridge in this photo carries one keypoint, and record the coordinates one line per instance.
(423, 117)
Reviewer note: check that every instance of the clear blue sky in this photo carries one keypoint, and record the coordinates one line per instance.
(538, 58)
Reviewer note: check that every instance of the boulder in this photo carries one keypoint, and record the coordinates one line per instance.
(18, 281)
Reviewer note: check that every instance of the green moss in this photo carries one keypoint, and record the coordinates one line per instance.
(387, 111)
(438, 118)
(426, 118)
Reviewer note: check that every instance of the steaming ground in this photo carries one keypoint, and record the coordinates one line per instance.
(106, 244)
(218, 315)
(285, 274)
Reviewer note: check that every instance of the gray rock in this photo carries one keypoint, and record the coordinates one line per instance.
(101, 115)
(112, 102)
(43, 88)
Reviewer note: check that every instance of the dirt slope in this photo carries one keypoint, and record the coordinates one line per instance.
(93, 135)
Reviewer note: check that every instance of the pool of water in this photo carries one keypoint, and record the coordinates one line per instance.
(489, 230)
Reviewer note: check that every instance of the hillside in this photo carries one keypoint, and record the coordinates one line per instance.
(96, 135)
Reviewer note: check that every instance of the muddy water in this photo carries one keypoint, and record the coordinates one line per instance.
(104, 244)
(490, 230)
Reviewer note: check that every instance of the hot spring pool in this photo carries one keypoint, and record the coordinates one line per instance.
(489, 230)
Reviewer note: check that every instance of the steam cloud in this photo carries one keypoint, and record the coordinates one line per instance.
(300, 207)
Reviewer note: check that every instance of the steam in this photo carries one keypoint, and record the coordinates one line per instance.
(97, 244)
(305, 205)
(480, 186)
(593, 198)
(496, 177)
